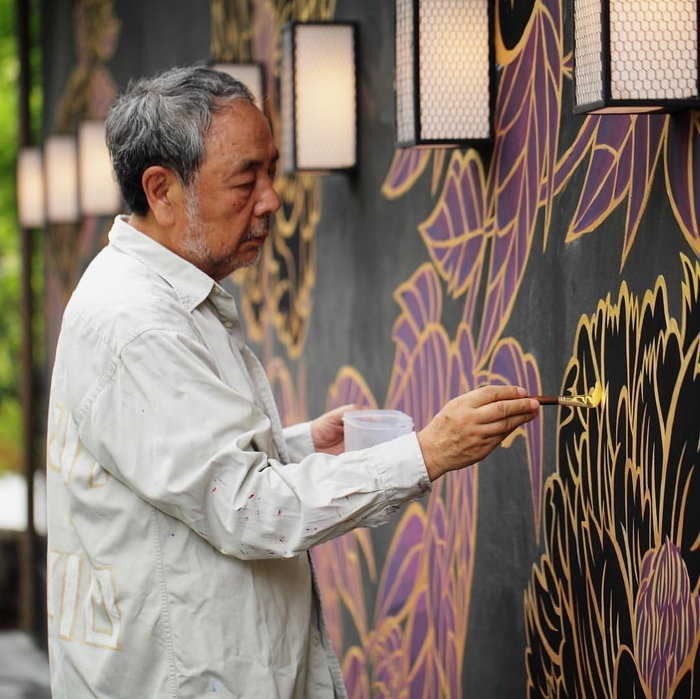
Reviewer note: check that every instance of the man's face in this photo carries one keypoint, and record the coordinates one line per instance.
(228, 205)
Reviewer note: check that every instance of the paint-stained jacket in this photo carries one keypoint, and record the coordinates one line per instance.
(180, 513)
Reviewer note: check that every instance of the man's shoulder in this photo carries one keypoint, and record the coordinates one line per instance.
(118, 297)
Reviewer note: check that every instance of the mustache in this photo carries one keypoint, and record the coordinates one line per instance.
(259, 228)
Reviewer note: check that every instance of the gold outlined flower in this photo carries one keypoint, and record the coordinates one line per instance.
(612, 608)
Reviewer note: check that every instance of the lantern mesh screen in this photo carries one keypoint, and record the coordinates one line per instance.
(405, 114)
(30, 188)
(653, 49)
(61, 172)
(589, 51)
(287, 101)
(454, 67)
(324, 57)
(99, 193)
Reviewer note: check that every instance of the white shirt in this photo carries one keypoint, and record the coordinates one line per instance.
(180, 513)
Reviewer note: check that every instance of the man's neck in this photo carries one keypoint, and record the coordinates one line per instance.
(149, 226)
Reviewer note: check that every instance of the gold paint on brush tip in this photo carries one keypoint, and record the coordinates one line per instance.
(592, 399)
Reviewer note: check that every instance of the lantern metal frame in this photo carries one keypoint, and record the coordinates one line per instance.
(607, 104)
(289, 100)
(461, 140)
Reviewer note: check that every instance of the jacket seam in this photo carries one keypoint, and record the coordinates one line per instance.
(170, 659)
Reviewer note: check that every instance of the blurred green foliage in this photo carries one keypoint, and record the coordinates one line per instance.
(11, 427)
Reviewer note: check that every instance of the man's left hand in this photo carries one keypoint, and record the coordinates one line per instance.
(327, 430)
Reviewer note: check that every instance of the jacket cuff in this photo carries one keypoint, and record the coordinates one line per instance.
(299, 441)
(401, 469)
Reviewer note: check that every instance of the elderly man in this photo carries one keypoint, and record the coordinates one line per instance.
(181, 513)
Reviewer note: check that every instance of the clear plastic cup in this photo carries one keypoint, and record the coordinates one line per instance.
(365, 428)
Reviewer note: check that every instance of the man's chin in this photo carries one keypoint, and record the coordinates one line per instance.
(253, 260)
(249, 260)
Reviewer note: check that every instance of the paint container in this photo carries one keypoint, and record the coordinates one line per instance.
(365, 428)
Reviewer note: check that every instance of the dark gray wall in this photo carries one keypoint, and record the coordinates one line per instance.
(366, 246)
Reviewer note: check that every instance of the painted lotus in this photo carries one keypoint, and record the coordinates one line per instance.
(612, 609)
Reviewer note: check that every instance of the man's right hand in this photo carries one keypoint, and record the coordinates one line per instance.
(472, 425)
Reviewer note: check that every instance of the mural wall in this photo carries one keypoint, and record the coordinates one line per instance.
(564, 256)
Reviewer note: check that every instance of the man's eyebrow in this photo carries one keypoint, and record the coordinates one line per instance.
(255, 163)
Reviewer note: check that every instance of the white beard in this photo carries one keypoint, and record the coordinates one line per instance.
(196, 249)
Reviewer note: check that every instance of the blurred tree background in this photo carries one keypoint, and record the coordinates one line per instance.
(10, 263)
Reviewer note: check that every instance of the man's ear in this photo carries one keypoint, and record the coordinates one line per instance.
(163, 191)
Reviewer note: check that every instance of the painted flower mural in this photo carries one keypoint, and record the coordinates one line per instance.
(613, 606)
(612, 609)
(479, 238)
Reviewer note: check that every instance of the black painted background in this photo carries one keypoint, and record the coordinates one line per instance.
(366, 246)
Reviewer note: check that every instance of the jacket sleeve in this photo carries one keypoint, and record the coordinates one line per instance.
(299, 440)
(165, 425)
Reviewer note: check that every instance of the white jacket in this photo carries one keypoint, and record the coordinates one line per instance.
(180, 514)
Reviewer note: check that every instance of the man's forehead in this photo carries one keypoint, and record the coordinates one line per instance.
(243, 129)
(238, 109)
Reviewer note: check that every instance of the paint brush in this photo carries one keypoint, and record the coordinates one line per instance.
(587, 400)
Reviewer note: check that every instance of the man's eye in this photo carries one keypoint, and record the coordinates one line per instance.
(246, 185)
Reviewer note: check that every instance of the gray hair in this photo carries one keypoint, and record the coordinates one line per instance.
(163, 121)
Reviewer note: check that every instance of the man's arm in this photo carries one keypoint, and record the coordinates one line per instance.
(472, 425)
(465, 431)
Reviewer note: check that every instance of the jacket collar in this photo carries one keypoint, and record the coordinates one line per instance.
(189, 282)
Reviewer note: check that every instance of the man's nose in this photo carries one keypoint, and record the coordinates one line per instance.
(268, 202)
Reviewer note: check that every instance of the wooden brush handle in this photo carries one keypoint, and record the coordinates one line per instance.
(546, 400)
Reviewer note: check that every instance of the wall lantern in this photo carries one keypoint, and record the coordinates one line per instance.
(633, 56)
(99, 192)
(31, 201)
(318, 93)
(250, 74)
(443, 72)
(61, 179)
